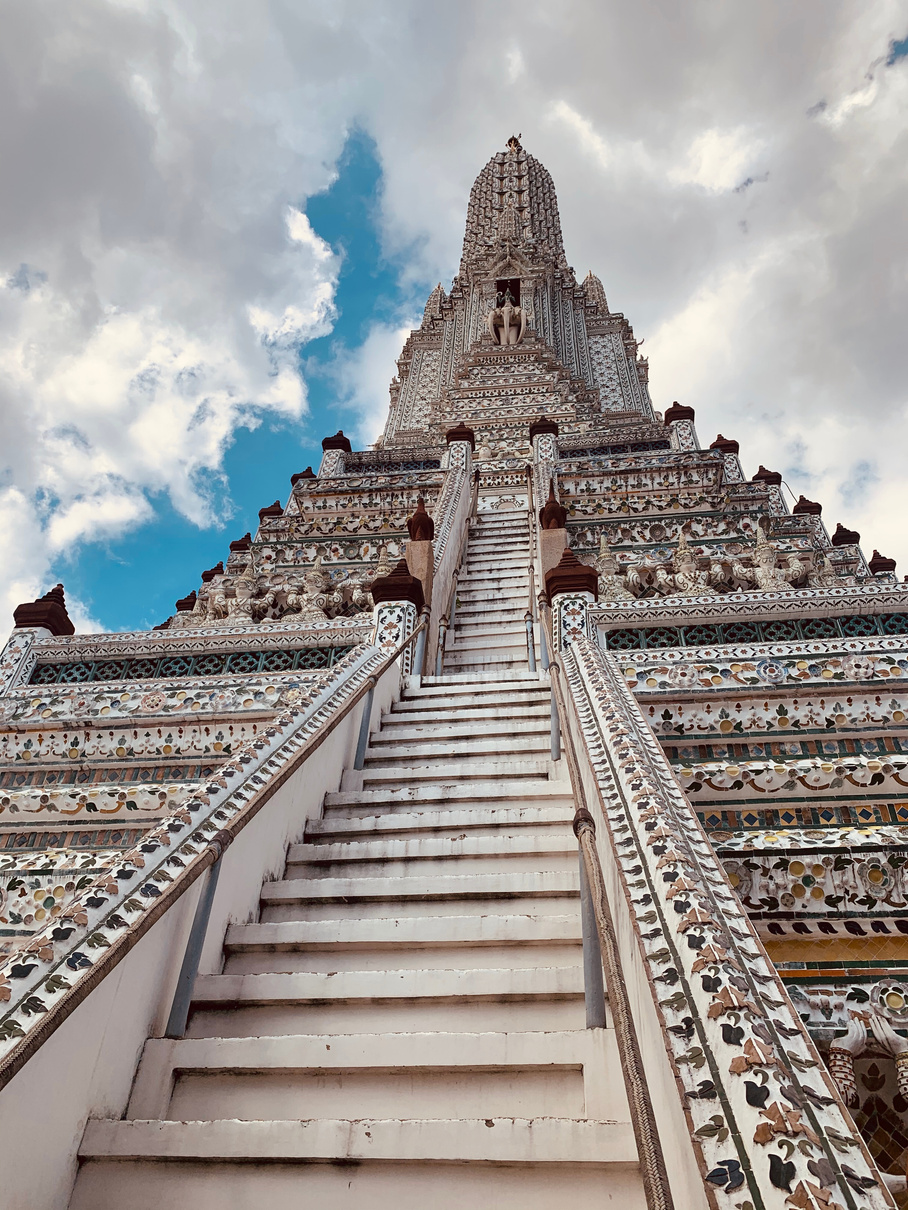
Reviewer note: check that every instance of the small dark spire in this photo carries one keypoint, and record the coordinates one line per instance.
(879, 563)
(678, 411)
(48, 611)
(807, 507)
(461, 432)
(845, 537)
(308, 473)
(398, 585)
(770, 478)
(272, 510)
(243, 543)
(552, 515)
(217, 570)
(543, 424)
(570, 575)
(420, 525)
(337, 442)
(186, 604)
(727, 445)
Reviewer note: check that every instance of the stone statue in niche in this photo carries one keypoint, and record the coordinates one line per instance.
(765, 574)
(688, 580)
(612, 585)
(507, 322)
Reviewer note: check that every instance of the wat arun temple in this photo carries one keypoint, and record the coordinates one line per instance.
(514, 815)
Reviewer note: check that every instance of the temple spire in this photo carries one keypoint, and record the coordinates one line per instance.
(595, 292)
(513, 200)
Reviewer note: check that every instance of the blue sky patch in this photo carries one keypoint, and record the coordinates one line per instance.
(132, 582)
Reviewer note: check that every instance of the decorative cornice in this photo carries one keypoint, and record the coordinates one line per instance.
(271, 636)
(740, 606)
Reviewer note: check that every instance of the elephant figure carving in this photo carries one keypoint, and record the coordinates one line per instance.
(507, 322)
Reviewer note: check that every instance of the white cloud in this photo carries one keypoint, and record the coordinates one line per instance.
(717, 159)
(363, 376)
(157, 277)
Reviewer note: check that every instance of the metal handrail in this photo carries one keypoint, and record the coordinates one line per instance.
(15, 1060)
(653, 1171)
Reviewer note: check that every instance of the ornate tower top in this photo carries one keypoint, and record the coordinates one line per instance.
(513, 199)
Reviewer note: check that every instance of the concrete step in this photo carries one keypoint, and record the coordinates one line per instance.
(495, 545)
(507, 639)
(483, 565)
(468, 594)
(445, 774)
(400, 729)
(383, 944)
(405, 1022)
(509, 551)
(467, 986)
(480, 609)
(408, 940)
(386, 956)
(342, 869)
(500, 844)
(506, 799)
(494, 548)
(493, 584)
(500, 516)
(487, 567)
(453, 688)
(195, 1079)
(427, 886)
(514, 631)
(466, 716)
(438, 748)
(370, 814)
(477, 660)
(474, 615)
(398, 859)
(231, 1152)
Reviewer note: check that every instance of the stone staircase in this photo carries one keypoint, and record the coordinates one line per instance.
(405, 1022)
(493, 596)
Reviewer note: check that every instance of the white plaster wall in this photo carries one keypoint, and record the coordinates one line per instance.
(86, 1068)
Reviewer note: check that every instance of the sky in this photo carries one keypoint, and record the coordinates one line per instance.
(218, 221)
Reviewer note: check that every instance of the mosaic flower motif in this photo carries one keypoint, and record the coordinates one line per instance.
(684, 676)
(858, 667)
(153, 701)
(771, 671)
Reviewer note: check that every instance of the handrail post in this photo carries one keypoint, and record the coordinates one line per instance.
(531, 646)
(543, 636)
(593, 987)
(442, 637)
(182, 996)
(453, 610)
(364, 725)
(419, 654)
(548, 656)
